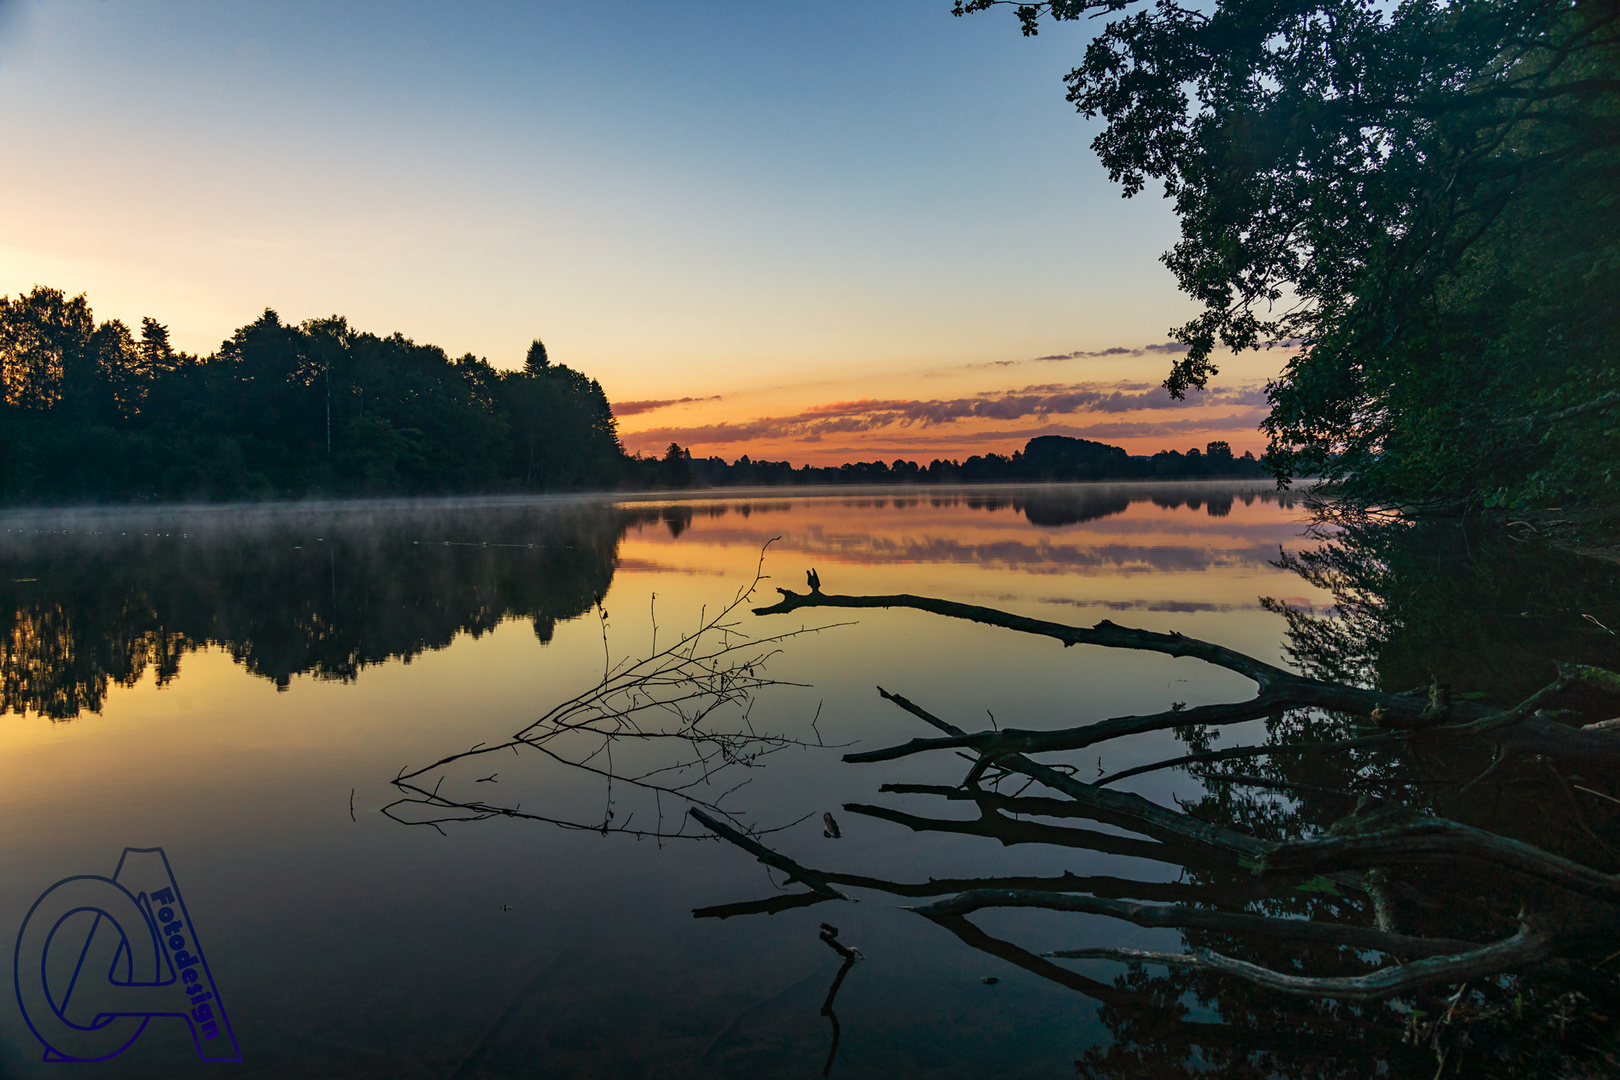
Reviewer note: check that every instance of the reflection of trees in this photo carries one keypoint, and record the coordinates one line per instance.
(1353, 902)
(1380, 884)
(324, 593)
(1484, 609)
(1071, 504)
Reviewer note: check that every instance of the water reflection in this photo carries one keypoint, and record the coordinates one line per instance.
(1393, 584)
(1397, 585)
(99, 602)
(1488, 610)
(508, 943)
(90, 601)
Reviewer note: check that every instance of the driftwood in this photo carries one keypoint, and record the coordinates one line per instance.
(1527, 946)
(1519, 730)
(1354, 864)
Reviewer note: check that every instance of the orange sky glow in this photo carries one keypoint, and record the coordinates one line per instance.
(955, 413)
(919, 258)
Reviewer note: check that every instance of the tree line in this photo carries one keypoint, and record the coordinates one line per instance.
(1048, 458)
(96, 410)
(1423, 194)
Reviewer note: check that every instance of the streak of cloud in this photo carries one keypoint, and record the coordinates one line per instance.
(1168, 347)
(1041, 402)
(632, 408)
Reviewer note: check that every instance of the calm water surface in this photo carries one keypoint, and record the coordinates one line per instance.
(226, 683)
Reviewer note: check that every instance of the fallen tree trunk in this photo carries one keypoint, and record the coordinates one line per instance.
(1519, 730)
(1381, 837)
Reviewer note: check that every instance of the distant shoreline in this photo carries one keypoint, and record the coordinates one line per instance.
(637, 495)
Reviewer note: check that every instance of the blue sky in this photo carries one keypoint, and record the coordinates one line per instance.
(779, 204)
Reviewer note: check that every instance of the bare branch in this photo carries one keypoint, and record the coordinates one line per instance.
(1529, 945)
(1114, 807)
(1233, 752)
(1105, 633)
(1022, 741)
(1435, 838)
(1182, 917)
(793, 870)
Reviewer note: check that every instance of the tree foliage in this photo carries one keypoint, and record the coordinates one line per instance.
(1420, 195)
(1045, 458)
(93, 411)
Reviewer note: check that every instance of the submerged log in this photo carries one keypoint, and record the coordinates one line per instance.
(1378, 836)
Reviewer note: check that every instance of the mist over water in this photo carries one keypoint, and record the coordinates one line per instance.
(94, 599)
(223, 682)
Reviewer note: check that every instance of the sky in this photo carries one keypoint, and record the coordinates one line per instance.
(819, 232)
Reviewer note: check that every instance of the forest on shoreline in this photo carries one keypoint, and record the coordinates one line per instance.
(1423, 195)
(1424, 198)
(96, 412)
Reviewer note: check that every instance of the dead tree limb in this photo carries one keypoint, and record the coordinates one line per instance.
(1113, 807)
(1104, 633)
(1234, 752)
(1437, 838)
(1236, 893)
(1181, 917)
(1023, 741)
(1009, 831)
(793, 870)
(1530, 945)
(1518, 730)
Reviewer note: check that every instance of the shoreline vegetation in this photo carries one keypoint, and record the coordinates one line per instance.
(1420, 195)
(98, 413)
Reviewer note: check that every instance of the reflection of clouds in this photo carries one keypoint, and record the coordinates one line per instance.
(1043, 505)
(1177, 606)
(650, 566)
(1030, 556)
(1052, 509)
(1078, 530)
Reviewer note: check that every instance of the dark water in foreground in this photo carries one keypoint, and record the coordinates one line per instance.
(226, 684)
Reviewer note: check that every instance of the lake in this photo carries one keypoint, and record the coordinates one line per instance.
(239, 686)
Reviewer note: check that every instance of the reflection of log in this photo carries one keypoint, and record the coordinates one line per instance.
(1037, 965)
(1009, 831)
(1434, 839)
(1234, 752)
(1021, 741)
(1202, 1033)
(1111, 807)
(1526, 947)
(1181, 917)
(1242, 891)
(793, 870)
(1445, 960)
(768, 906)
(1380, 834)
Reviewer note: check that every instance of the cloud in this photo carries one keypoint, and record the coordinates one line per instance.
(1168, 347)
(1248, 419)
(1042, 402)
(631, 408)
